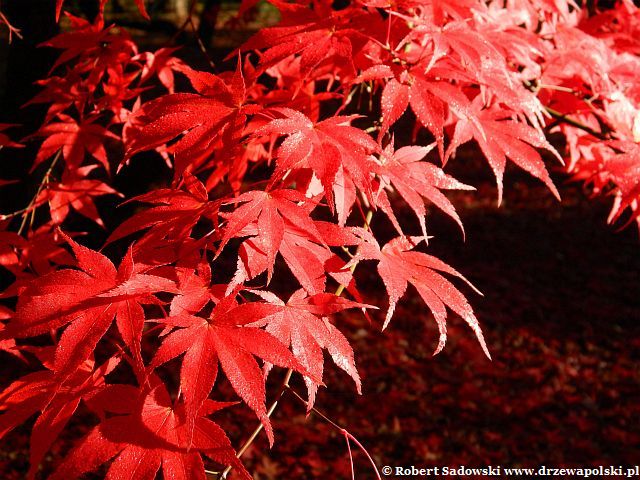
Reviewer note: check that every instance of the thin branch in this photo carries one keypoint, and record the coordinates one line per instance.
(200, 43)
(574, 123)
(348, 436)
(557, 88)
(185, 24)
(353, 470)
(352, 268)
(364, 450)
(260, 427)
(562, 117)
(188, 22)
(315, 410)
(32, 204)
(12, 30)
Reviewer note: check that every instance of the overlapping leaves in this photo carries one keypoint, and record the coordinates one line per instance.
(288, 110)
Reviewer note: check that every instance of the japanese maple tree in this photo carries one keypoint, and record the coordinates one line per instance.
(283, 168)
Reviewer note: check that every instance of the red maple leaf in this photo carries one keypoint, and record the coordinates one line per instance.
(271, 211)
(302, 323)
(5, 141)
(59, 93)
(415, 179)
(223, 338)
(42, 391)
(39, 253)
(499, 137)
(8, 345)
(621, 168)
(87, 299)
(77, 192)
(148, 433)
(326, 147)
(205, 123)
(194, 290)
(163, 64)
(322, 34)
(75, 140)
(309, 260)
(430, 98)
(94, 47)
(173, 215)
(399, 265)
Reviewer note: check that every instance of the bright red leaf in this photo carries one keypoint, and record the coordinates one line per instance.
(399, 265)
(223, 338)
(149, 433)
(87, 299)
(500, 138)
(325, 147)
(303, 324)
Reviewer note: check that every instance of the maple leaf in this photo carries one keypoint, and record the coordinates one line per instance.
(74, 139)
(415, 180)
(149, 433)
(429, 97)
(88, 299)
(325, 147)
(210, 121)
(94, 47)
(198, 119)
(623, 170)
(41, 391)
(117, 90)
(75, 192)
(398, 266)
(457, 39)
(321, 35)
(223, 338)
(163, 64)
(308, 260)
(503, 137)
(9, 345)
(302, 323)
(10, 244)
(580, 57)
(39, 253)
(269, 210)
(173, 215)
(193, 289)
(142, 8)
(60, 93)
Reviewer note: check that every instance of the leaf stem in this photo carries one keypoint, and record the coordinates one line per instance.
(200, 43)
(12, 30)
(562, 117)
(31, 207)
(574, 123)
(348, 436)
(259, 428)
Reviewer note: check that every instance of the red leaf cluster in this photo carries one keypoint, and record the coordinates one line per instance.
(210, 256)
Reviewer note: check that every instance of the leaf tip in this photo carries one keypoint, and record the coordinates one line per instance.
(387, 319)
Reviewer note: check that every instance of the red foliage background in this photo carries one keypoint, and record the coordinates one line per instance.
(318, 150)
